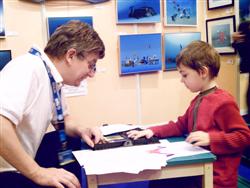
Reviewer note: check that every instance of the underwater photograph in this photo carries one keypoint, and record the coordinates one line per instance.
(54, 22)
(180, 12)
(140, 53)
(2, 30)
(5, 57)
(174, 43)
(138, 11)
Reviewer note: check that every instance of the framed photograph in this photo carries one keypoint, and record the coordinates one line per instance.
(244, 7)
(138, 11)
(54, 22)
(180, 12)
(5, 57)
(140, 53)
(219, 33)
(174, 43)
(2, 29)
(214, 4)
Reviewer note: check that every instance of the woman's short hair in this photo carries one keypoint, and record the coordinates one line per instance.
(78, 35)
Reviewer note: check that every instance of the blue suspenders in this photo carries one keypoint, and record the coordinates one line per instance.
(65, 155)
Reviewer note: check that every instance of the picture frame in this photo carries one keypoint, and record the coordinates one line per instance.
(244, 10)
(180, 13)
(215, 4)
(54, 22)
(138, 11)
(219, 33)
(5, 57)
(2, 28)
(140, 53)
(173, 44)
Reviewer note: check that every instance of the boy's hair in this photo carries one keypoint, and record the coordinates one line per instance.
(78, 35)
(199, 54)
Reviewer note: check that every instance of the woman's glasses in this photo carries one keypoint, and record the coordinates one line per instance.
(92, 67)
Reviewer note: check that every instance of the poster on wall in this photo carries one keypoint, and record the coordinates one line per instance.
(54, 22)
(214, 4)
(244, 10)
(5, 57)
(138, 11)
(174, 43)
(180, 12)
(72, 91)
(140, 53)
(219, 33)
(2, 29)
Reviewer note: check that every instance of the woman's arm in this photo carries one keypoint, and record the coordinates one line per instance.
(12, 151)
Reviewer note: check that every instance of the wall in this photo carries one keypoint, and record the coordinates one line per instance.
(146, 98)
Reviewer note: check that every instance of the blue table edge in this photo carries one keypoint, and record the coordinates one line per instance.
(199, 158)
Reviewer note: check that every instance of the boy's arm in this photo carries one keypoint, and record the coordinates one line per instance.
(234, 134)
(178, 128)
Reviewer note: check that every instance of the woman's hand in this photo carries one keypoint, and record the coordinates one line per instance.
(54, 177)
(91, 135)
(238, 37)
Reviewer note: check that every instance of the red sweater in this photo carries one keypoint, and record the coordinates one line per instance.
(219, 116)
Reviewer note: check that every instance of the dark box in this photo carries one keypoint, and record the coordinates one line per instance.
(121, 139)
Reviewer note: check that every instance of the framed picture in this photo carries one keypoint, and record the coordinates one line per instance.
(2, 29)
(214, 4)
(244, 7)
(54, 22)
(219, 33)
(5, 57)
(138, 11)
(180, 12)
(140, 53)
(174, 43)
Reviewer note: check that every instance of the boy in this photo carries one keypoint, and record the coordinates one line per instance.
(212, 120)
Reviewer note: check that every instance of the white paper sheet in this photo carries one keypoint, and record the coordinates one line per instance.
(135, 158)
(125, 159)
(179, 149)
(116, 128)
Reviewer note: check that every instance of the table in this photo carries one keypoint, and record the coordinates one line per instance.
(196, 165)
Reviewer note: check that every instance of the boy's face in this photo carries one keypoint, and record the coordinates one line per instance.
(80, 69)
(192, 79)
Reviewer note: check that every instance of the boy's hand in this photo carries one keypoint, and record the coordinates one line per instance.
(138, 134)
(198, 138)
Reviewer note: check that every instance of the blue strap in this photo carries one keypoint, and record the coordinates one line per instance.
(65, 155)
(56, 92)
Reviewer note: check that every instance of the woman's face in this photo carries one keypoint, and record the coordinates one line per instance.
(80, 69)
